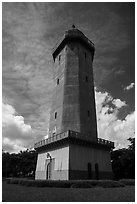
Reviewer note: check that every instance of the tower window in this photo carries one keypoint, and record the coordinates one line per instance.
(57, 81)
(85, 55)
(55, 115)
(88, 113)
(86, 79)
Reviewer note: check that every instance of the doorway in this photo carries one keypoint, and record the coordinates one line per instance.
(49, 167)
(48, 171)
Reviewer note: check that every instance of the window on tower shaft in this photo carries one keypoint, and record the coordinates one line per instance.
(57, 81)
(55, 115)
(88, 113)
(86, 79)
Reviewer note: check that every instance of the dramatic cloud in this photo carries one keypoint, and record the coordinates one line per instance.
(110, 127)
(121, 71)
(129, 86)
(16, 134)
(27, 62)
(31, 30)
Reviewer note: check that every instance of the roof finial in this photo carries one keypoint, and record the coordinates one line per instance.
(73, 26)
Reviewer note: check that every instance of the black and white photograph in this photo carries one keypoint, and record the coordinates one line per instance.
(68, 101)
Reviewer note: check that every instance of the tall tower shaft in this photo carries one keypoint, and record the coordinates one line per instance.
(73, 103)
(73, 150)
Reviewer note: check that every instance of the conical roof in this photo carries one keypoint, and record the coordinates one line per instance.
(73, 34)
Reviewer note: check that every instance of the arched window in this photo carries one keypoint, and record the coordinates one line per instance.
(57, 81)
(55, 115)
(86, 79)
(97, 171)
(49, 167)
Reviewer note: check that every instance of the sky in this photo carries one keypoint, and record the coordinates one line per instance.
(30, 31)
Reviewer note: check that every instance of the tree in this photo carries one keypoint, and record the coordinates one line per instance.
(6, 159)
(132, 145)
(22, 164)
(123, 161)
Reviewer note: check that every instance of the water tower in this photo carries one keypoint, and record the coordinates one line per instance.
(73, 149)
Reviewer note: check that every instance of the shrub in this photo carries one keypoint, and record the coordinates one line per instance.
(81, 185)
(8, 180)
(13, 181)
(110, 184)
(22, 182)
(68, 184)
(128, 182)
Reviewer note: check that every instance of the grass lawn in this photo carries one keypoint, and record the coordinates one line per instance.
(17, 193)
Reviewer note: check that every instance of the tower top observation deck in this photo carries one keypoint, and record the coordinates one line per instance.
(72, 34)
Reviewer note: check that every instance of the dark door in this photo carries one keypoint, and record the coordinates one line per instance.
(89, 171)
(50, 168)
(48, 172)
(97, 171)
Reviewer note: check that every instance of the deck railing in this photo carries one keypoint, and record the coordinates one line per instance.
(71, 134)
(51, 139)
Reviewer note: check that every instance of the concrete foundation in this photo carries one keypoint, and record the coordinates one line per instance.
(59, 164)
(73, 158)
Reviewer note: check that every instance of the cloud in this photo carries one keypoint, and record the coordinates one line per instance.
(30, 31)
(27, 61)
(121, 71)
(16, 134)
(112, 27)
(131, 86)
(110, 127)
(118, 103)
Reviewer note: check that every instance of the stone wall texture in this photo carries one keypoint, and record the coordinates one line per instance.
(60, 167)
(73, 98)
(71, 163)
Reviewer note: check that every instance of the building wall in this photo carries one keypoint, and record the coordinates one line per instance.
(73, 98)
(61, 165)
(71, 102)
(87, 98)
(58, 94)
(71, 162)
(79, 158)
